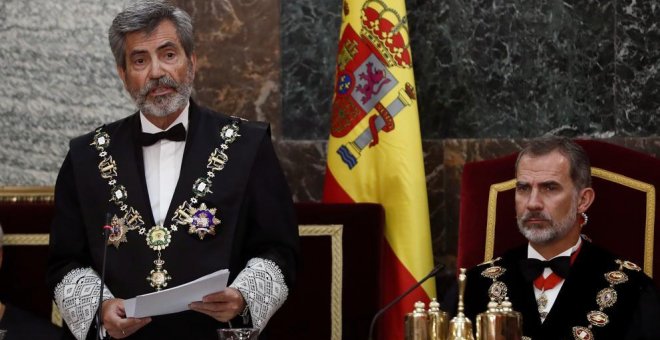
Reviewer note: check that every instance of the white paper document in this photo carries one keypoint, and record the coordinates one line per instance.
(176, 299)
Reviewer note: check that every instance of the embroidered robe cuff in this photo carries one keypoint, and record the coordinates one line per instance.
(77, 297)
(262, 285)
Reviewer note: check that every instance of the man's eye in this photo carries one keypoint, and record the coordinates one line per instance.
(522, 188)
(170, 55)
(138, 61)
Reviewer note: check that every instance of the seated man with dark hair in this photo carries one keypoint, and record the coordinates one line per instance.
(564, 286)
(19, 323)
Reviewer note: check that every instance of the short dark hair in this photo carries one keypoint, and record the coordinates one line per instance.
(580, 167)
(145, 16)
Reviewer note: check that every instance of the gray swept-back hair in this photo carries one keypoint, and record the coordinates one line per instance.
(580, 167)
(145, 16)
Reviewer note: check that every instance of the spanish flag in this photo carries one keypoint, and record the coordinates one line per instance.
(375, 148)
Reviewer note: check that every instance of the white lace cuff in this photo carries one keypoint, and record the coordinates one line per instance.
(262, 284)
(77, 297)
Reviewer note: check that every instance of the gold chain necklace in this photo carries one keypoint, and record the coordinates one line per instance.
(605, 298)
(200, 220)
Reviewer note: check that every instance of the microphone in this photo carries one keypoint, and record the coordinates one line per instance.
(432, 273)
(107, 228)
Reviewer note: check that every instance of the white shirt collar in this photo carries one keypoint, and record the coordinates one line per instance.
(533, 254)
(149, 127)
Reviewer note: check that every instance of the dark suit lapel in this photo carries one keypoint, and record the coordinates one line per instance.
(128, 155)
(522, 295)
(528, 306)
(202, 137)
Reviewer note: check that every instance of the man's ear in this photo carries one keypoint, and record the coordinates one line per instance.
(586, 197)
(193, 60)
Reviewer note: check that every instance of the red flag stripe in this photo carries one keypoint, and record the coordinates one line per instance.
(332, 191)
(395, 279)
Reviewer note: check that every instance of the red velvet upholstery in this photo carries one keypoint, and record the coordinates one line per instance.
(24, 266)
(616, 218)
(305, 315)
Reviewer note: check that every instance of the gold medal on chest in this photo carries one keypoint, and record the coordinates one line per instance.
(200, 221)
(158, 238)
(542, 302)
(158, 277)
(118, 231)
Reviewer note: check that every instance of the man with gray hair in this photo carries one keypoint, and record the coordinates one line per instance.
(187, 192)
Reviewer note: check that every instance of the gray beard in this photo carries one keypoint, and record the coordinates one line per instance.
(557, 230)
(166, 105)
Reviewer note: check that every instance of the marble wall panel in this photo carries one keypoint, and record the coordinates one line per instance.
(637, 68)
(310, 33)
(303, 163)
(238, 49)
(58, 81)
(513, 68)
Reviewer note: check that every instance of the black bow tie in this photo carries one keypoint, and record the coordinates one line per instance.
(177, 133)
(532, 268)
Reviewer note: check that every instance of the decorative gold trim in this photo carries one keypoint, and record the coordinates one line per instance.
(492, 214)
(649, 232)
(335, 231)
(55, 316)
(33, 240)
(25, 239)
(649, 189)
(26, 194)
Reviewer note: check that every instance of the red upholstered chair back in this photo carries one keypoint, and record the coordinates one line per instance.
(337, 286)
(25, 216)
(621, 219)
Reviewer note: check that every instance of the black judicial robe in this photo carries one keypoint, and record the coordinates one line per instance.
(250, 194)
(635, 315)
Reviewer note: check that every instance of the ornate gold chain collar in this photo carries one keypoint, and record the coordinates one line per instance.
(605, 298)
(200, 219)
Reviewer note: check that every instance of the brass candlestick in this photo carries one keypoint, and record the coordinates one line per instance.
(416, 323)
(499, 322)
(460, 327)
(438, 322)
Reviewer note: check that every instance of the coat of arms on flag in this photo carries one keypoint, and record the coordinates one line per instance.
(364, 78)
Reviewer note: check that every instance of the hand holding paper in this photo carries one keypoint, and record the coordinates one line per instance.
(222, 306)
(176, 299)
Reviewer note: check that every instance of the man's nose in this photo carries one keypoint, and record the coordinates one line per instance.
(156, 71)
(534, 202)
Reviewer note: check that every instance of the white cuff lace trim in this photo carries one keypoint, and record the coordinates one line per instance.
(263, 287)
(77, 297)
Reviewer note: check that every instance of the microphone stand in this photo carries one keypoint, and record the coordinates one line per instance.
(432, 273)
(107, 228)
